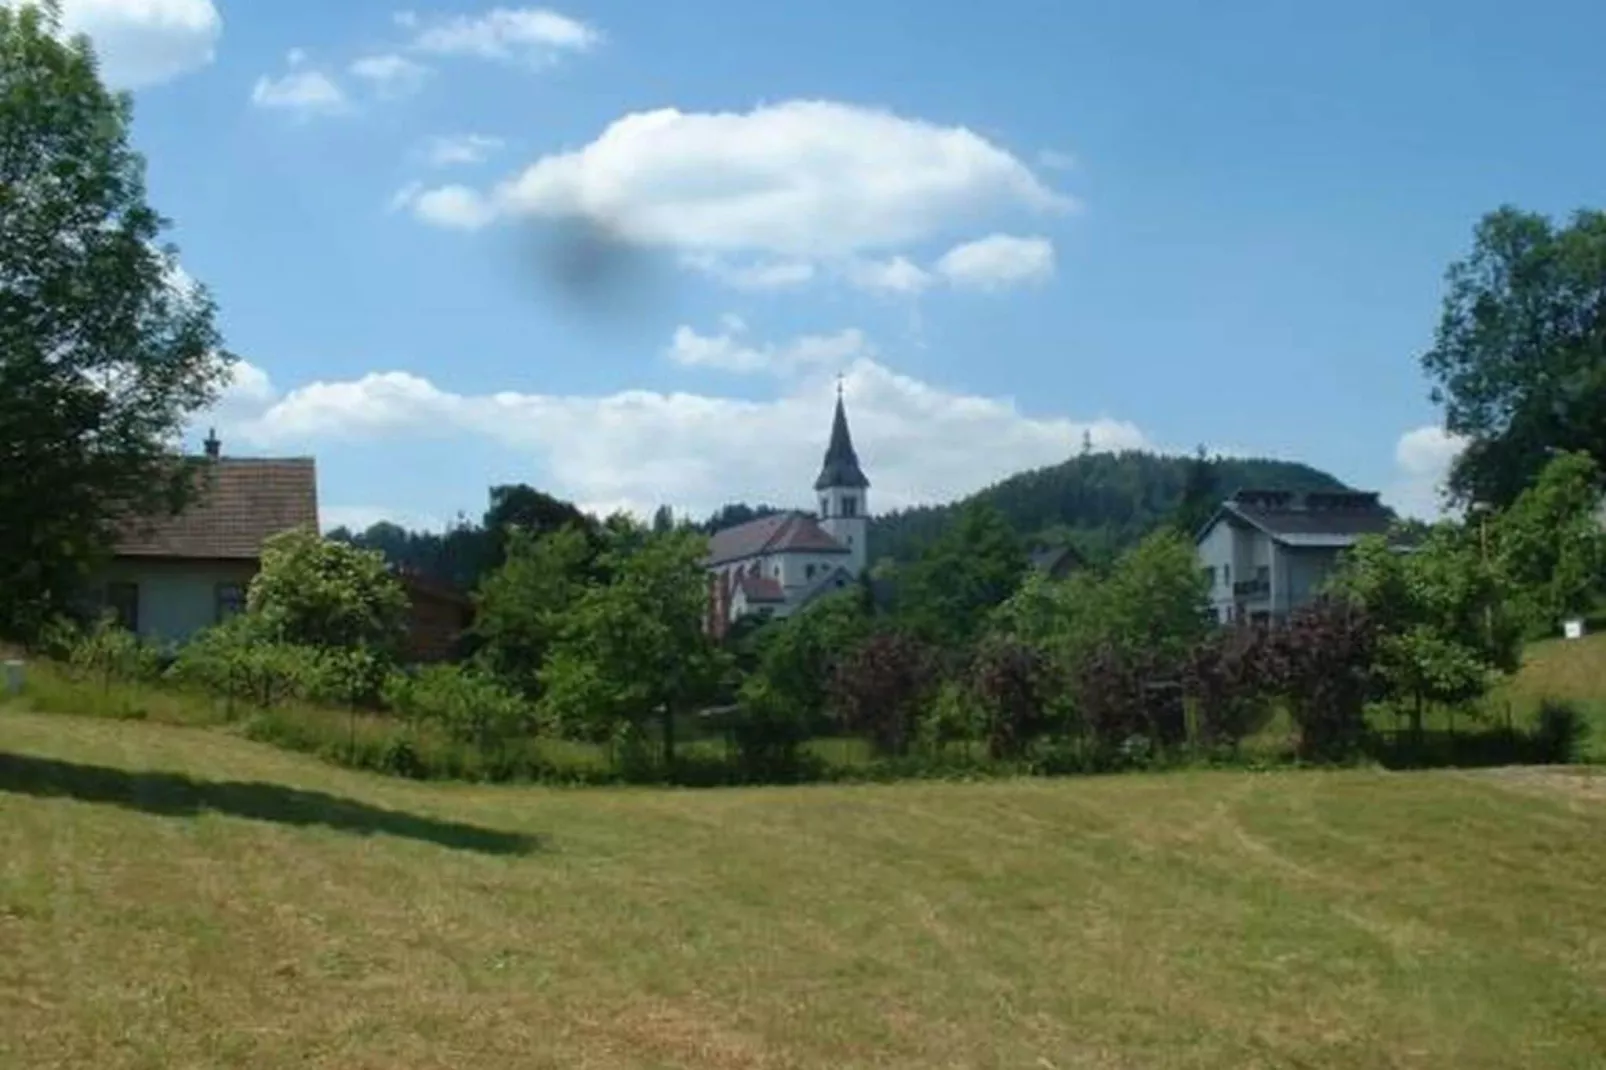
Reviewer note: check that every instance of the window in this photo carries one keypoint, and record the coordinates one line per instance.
(1210, 576)
(230, 599)
(850, 505)
(1226, 574)
(122, 599)
(1263, 574)
(825, 508)
(808, 572)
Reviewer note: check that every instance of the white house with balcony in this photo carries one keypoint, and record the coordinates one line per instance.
(1266, 553)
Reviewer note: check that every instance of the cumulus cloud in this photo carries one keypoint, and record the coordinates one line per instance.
(1423, 457)
(638, 448)
(531, 35)
(142, 43)
(301, 90)
(728, 351)
(458, 207)
(389, 74)
(998, 261)
(802, 180)
(461, 149)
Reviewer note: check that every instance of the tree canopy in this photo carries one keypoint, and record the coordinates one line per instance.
(106, 346)
(1519, 359)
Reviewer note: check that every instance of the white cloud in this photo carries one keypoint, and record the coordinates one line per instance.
(727, 352)
(1423, 457)
(389, 74)
(458, 207)
(893, 275)
(637, 448)
(802, 180)
(998, 261)
(301, 90)
(531, 35)
(141, 43)
(755, 275)
(462, 149)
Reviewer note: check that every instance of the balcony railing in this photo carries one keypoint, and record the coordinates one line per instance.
(1252, 589)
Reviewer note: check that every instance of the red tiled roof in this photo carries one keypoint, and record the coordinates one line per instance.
(762, 589)
(777, 534)
(243, 502)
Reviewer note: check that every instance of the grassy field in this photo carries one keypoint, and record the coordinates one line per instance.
(175, 897)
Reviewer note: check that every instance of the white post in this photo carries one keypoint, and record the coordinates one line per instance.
(11, 680)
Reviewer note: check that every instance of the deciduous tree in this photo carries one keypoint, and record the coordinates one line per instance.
(106, 347)
(1519, 360)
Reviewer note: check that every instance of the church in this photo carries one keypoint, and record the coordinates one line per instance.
(777, 564)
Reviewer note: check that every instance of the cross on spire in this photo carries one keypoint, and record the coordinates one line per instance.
(839, 378)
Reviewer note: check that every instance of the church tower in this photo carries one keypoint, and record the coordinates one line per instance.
(842, 489)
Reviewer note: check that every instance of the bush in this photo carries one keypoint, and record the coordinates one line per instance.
(237, 663)
(1322, 661)
(768, 732)
(468, 706)
(1228, 678)
(1011, 682)
(954, 716)
(880, 688)
(111, 654)
(1561, 733)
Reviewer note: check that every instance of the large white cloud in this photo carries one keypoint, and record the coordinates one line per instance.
(144, 42)
(1423, 457)
(638, 448)
(805, 179)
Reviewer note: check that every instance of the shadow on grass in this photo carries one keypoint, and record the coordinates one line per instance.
(177, 795)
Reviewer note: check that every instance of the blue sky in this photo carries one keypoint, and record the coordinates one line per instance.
(1005, 225)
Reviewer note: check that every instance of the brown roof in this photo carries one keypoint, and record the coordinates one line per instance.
(242, 502)
(762, 589)
(776, 534)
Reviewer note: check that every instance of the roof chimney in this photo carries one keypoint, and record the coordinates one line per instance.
(214, 448)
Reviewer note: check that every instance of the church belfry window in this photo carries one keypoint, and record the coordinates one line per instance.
(825, 508)
(850, 505)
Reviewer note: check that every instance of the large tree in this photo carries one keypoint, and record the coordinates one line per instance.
(1550, 545)
(1519, 361)
(106, 347)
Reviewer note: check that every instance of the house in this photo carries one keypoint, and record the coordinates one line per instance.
(437, 616)
(1266, 553)
(169, 577)
(775, 565)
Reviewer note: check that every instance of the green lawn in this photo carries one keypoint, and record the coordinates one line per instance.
(176, 897)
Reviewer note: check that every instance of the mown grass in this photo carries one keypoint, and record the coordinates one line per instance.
(174, 897)
(1561, 670)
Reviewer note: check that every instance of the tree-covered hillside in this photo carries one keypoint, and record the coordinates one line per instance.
(1098, 502)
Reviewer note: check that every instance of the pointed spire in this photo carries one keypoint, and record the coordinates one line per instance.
(841, 467)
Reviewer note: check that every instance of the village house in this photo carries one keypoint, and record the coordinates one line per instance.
(777, 564)
(1266, 553)
(171, 576)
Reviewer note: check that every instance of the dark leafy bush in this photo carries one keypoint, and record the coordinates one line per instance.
(1561, 733)
(768, 733)
(1228, 677)
(1322, 662)
(1010, 681)
(1123, 695)
(881, 687)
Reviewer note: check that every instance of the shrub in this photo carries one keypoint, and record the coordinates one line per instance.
(953, 717)
(1123, 695)
(1227, 676)
(110, 654)
(1011, 681)
(1561, 733)
(879, 689)
(1322, 662)
(316, 592)
(235, 662)
(468, 706)
(768, 733)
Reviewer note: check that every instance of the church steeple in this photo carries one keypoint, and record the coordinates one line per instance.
(841, 468)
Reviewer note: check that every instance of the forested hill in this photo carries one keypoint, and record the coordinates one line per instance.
(1097, 502)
